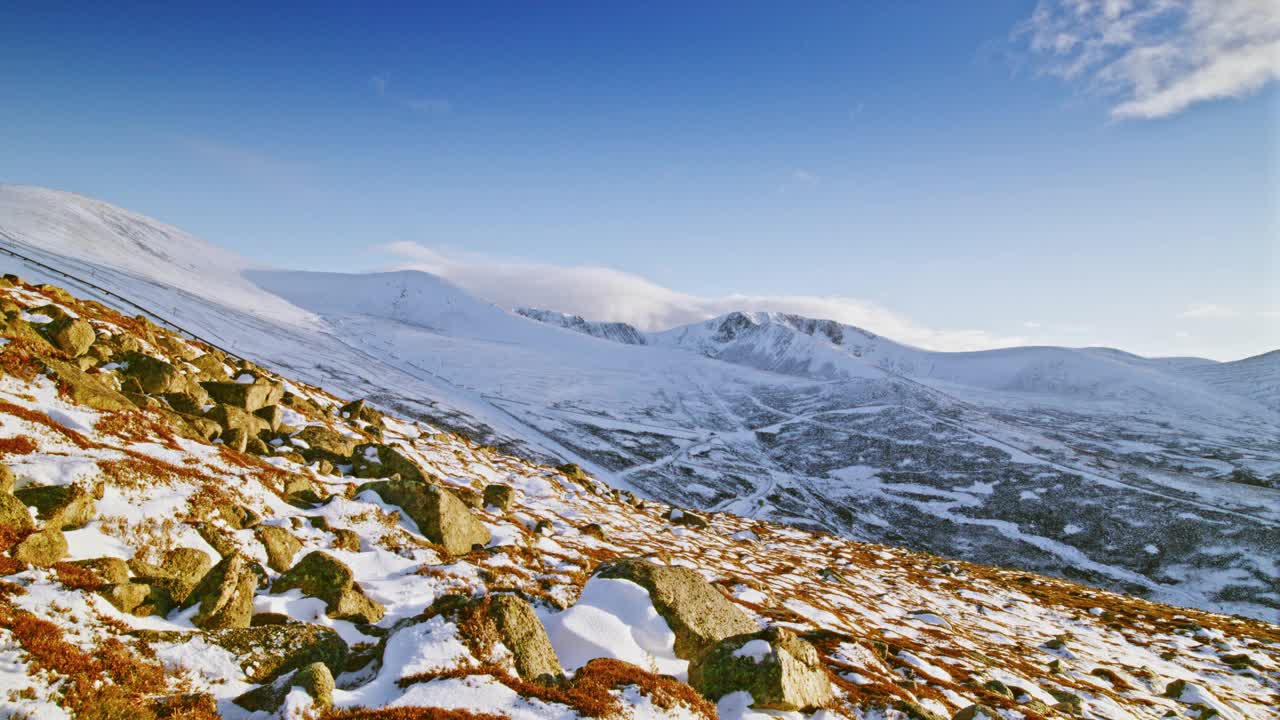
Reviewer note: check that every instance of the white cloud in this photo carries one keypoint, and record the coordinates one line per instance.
(429, 106)
(1157, 57)
(1031, 324)
(600, 293)
(1208, 311)
(381, 85)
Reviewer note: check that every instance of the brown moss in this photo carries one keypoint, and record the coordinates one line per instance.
(407, 713)
(39, 418)
(107, 683)
(75, 577)
(589, 692)
(19, 445)
(21, 357)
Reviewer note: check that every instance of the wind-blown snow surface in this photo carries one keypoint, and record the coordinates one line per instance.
(1093, 464)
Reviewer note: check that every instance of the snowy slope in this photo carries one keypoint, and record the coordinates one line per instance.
(1092, 464)
(1257, 377)
(825, 349)
(884, 633)
(615, 331)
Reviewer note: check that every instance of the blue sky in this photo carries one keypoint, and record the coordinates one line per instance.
(956, 175)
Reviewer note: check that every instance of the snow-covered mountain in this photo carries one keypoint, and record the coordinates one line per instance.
(318, 559)
(615, 331)
(1093, 464)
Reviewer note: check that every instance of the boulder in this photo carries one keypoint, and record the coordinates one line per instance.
(320, 575)
(87, 389)
(499, 496)
(698, 614)
(246, 396)
(976, 712)
(280, 545)
(300, 490)
(440, 516)
(595, 530)
(375, 460)
(324, 443)
(315, 679)
(781, 671)
(71, 335)
(110, 570)
(686, 518)
(273, 415)
(236, 439)
(138, 598)
(7, 479)
(360, 410)
(67, 507)
(522, 632)
(230, 417)
(181, 572)
(267, 652)
(42, 548)
(210, 366)
(153, 375)
(187, 403)
(14, 513)
(344, 539)
(225, 595)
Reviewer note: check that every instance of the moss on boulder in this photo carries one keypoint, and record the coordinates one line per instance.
(441, 518)
(67, 507)
(781, 671)
(698, 614)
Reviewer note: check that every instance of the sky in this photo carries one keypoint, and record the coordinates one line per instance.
(957, 176)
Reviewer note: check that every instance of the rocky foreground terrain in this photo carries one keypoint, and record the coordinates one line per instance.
(187, 535)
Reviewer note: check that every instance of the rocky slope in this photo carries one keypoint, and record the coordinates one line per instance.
(188, 535)
(1091, 464)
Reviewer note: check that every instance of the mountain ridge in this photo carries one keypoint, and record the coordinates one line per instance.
(1024, 477)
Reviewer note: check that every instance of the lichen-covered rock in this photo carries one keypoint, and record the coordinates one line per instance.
(153, 375)
(41, 548)
(181, 572)
(324, 443)
(321, 575)
(441, 518)
(273, 415)
(14, 513)
(267, 652)
(522, 632)
(375, 460)
(246, 396)
(110, 570)
(499, 496)
(344, 539)
(315, 679)
(7, 479)
(83, 388)
(138, 598)
(976, 712)
(67, 507)
(225, 595)
(71, 335)
(300, 490)
(686, 518)
(280, 545)
(698, 614)
(230, 417)
(781, 671)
